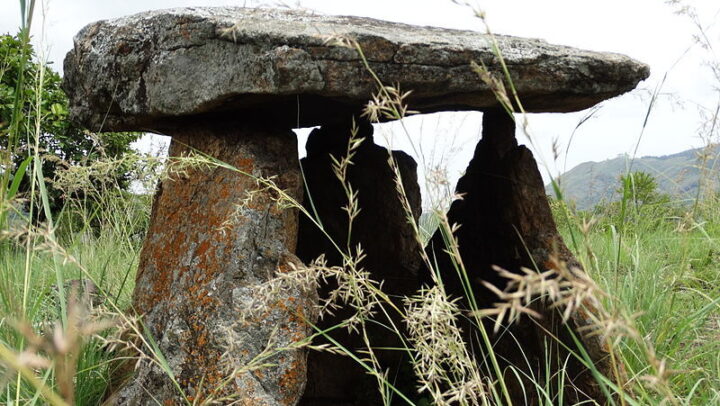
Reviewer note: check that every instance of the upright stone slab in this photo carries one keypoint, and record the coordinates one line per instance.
(392, 254)
(203, 262)
(505, 221)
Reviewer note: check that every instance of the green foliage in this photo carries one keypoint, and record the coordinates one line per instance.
(680, 175)
(110, 259)
(641, 205)
(34, 114)
(659, 260)
(641, 187)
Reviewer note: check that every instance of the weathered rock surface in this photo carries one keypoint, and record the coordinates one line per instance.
(506, 221)
(142, 72)
(202, 264)
(387, 239)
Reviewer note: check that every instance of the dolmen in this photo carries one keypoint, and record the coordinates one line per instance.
(231, 84)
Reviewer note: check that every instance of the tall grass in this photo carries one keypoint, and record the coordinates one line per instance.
(53, 334)
(664, 275)
(654, 268)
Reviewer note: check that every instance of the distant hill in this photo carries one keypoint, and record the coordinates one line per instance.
(678, 175)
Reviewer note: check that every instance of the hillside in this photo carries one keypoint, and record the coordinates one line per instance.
(678, 175)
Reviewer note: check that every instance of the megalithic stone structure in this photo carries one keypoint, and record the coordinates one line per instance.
(231, 83)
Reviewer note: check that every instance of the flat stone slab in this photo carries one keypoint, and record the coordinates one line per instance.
(145, 71)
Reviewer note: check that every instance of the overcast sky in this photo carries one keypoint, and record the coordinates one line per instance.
(648, 30)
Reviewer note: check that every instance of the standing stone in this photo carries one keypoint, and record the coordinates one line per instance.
(202, 264)
(387, 239)
(505, 220)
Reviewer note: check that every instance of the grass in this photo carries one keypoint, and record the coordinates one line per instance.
(655, 268)
(664, 273)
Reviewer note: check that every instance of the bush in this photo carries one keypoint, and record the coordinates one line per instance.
(34, 114)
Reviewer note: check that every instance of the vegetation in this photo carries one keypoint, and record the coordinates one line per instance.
(660, 265)
(678, 175)
(653, 262)
(30, 96)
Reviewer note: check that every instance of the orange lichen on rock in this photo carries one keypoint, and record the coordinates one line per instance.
(292, 378)
(205, 253)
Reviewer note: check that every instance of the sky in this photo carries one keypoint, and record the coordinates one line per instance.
(648, 30)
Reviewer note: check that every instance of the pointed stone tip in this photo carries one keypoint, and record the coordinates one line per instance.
(151, 71)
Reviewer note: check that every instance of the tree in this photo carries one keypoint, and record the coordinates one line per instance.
(30, 95)
(640, 188)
